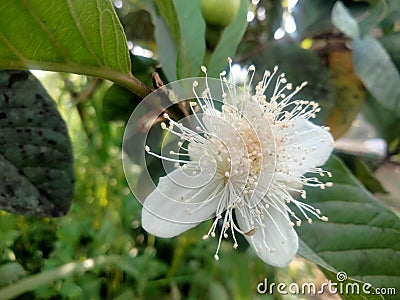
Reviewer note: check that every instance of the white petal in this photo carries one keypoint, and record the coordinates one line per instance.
(165, 214)
(275, 246)
(311, 146)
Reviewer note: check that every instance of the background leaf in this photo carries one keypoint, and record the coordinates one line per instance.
(192, 45)
(344, 21)
(383, 119)
(361, 237)
(36, 164)
(375, 68)
(179, 32)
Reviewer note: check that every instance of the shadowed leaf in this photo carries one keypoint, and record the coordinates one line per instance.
(36, 163)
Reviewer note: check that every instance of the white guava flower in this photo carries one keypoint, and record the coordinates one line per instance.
(241, 166)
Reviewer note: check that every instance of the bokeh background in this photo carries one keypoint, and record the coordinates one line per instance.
(99, 250)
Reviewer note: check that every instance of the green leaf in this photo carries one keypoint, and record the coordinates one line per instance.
(83, 37)
(192, 45)
(382, 118)
(364, 174)
(344, 21)
(228, 43)
(118, 104)
(36, 163)
(377, 71)
(179, 32)
(361, 237)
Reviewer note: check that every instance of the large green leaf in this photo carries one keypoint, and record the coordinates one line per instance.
(361, 237)
(36, 163)
(74, 36)
(374, 66)
(382, 118)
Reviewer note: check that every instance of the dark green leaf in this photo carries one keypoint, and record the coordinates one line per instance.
(83, 37)
(344, 21)
(361, 167)
(361, 237)
(118, 104)
(382, 118)
(229, 41)
(36, 163)
(377, 71)
(364, 173)
(391, 43)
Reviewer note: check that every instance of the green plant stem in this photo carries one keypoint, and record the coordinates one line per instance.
(32, 282)
(126, 80)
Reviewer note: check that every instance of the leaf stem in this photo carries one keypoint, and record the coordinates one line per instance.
(32, 282)
(126, 80)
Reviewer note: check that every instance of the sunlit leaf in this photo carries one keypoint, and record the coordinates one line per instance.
(36, 171)
(83, 37)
